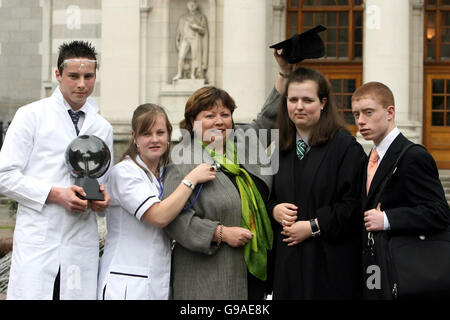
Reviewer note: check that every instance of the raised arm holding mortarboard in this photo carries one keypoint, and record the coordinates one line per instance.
(315, 196)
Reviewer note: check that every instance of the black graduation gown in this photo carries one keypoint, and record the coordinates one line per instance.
(325, 185)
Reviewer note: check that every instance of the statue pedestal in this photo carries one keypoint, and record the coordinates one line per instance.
(173, 98)
(182, 87)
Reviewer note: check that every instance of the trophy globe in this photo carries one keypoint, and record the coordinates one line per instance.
(88, 158)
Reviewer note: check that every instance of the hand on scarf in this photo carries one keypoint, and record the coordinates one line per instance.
(236, 236)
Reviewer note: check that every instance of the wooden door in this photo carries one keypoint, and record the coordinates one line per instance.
(437, 117)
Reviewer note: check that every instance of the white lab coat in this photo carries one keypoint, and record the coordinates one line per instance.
(47, 236)
(136, 259)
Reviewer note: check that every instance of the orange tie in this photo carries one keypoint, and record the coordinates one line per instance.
(371, 168)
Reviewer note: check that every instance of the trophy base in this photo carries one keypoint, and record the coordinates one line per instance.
(90, 187)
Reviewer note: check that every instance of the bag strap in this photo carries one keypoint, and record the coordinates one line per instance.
(394, 168)
(370, 238)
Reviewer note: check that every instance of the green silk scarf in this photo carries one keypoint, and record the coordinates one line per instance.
(254, 214)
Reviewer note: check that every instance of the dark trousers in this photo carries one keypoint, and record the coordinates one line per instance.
(56, 286)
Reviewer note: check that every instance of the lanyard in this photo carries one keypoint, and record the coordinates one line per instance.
(195, 199)
(160, 183)
(217, 167)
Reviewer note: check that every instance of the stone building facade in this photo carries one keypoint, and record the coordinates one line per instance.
(389, 41)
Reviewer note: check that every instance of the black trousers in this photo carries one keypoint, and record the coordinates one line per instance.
(56, 286)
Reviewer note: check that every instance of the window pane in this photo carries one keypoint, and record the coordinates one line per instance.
(325, 2)
(308, 19)
(358, 19)
(337, 101)
(348, 117)
(438, 103)
(448, 119)
(431, 26)
(445, 52)
(437, 119)
(358, 2)
(343, 51)
(358, 35)
(293, 3)
(445, 35)
(331, 51)
(343, 2)
(332, 19)
(445, 2)
(349, 86)
(293, 24)
(343, 35)
(448, 89)
(438, 86)
(358, 51)
(343, 19)
(348, 102)
(431, 2)
(320, 18)
(448, 103)
(431, 53)
(445, 18)
(335, 85)
(331, 35)
(308, 2)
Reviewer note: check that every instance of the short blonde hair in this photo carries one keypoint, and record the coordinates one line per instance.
(375, 91)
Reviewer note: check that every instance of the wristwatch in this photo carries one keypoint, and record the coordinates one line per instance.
(315, 229)
(188, 184)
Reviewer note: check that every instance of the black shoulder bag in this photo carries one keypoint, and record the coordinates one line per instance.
(419, 264)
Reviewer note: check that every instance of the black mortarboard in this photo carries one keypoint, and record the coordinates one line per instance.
(307, 45)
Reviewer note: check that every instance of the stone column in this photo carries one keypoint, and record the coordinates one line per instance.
(386, 49)
(244, 52)
(119, 66)
(145, 10)
(46, 48)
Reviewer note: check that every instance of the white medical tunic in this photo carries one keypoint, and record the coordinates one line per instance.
(47, 237)
(136, 259)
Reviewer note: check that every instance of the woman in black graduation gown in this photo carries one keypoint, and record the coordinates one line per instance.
(315, 197)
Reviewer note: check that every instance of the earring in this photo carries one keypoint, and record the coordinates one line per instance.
(137, 147)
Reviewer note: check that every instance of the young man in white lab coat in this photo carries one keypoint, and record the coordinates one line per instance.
(55, 249)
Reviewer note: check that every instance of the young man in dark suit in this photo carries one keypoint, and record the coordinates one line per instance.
(412, 202)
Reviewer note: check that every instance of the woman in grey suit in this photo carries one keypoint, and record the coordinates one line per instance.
(224, 234)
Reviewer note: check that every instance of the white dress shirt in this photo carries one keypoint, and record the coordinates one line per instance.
(382, 148)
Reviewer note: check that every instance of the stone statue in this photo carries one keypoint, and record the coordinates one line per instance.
(192, 36)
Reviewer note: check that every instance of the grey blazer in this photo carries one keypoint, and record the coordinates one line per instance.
(201, 270)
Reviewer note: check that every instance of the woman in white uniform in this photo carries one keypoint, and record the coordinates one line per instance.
(136, 258)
